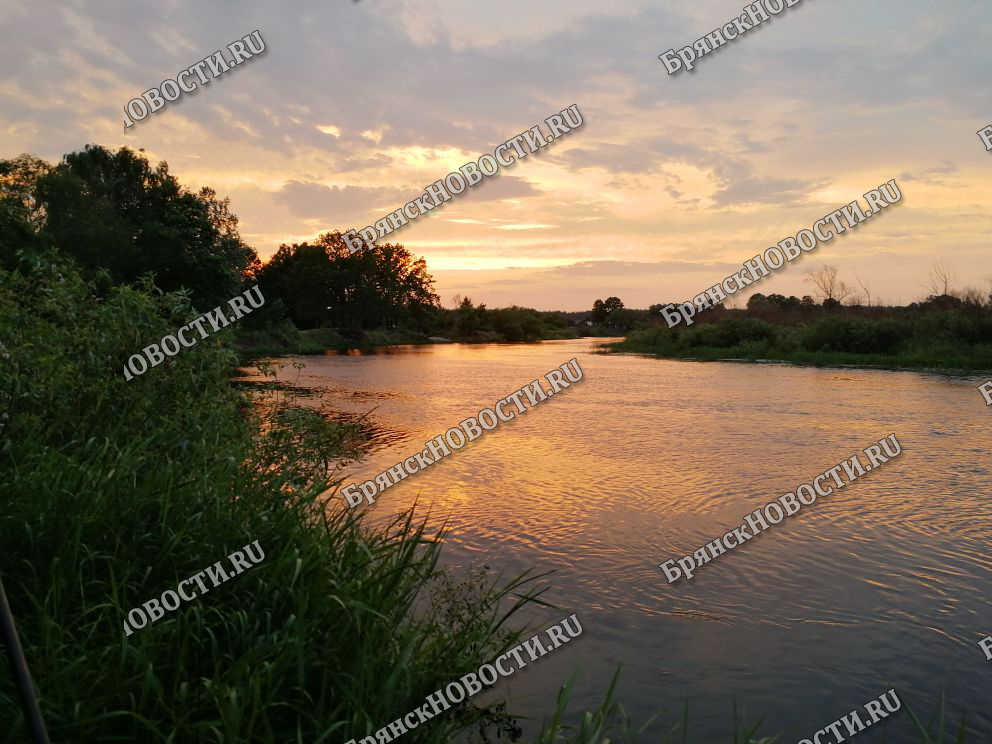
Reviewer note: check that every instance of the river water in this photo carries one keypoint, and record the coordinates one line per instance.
(886, 582)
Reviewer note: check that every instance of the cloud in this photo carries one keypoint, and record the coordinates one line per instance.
(498, 187)
(743, 190)
(613, 158)
(938, 175)
(315, 200)
(327, 130)
(524, 227)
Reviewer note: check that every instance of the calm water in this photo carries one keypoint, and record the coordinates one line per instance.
(886, 581)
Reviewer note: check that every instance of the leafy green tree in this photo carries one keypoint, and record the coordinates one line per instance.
(20, 213)
(603, 309)
(112, 211)
(302, 277)
(324, 284)
(471, 320)
(757, 300)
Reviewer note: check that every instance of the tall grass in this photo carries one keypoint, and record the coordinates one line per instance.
(950, 340)
(114, 491)
(608, 723)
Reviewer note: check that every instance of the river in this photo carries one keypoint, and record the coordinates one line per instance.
(885, 582)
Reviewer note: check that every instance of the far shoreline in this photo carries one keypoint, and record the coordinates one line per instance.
(806, 360)
(317, 341)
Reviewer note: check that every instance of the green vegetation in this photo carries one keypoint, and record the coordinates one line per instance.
(324, 285)
(116, 215)
(120, 220)
(480, 324)
(937, 334)
(114, 491)
(609, 722)
(383, 296)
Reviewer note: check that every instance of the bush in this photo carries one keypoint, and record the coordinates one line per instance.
(953, 327)
(855, 335)
(729, 333)
(112, 492)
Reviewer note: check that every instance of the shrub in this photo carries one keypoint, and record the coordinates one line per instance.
(855, 335)
(112, 492)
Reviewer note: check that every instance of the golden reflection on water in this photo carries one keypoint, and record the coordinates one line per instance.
(645, 460)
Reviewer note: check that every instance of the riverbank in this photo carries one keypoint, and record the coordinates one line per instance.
(809, 359)
(115, 491)
(287, 340)
(939, 342)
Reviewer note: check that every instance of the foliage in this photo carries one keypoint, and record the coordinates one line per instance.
(121, 220)
(114, 213)
(603, 311)
(608, 723)
(469, 322)
(856, 335)
(112, 492)
(610, 316)
(324, 284)
(916, 337)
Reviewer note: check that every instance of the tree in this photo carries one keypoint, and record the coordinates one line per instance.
(829, 286)
(301, 276)
(756, 301)
(972, 298)
(941, 279)
(323, 283)
(602, 310)
(18, 178)
(613, 304)
(866, 288)
(471, 320)
(20, 214)
(112, 211)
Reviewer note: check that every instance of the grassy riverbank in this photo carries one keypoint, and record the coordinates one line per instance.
(947, 341)
(285, 339)
(114, 491)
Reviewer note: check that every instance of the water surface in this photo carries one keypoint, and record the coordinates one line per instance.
(888, 581)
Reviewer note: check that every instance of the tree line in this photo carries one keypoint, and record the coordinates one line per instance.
(834, 294)
(121, 219)
(946, 329)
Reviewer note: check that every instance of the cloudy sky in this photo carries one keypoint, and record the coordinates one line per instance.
(670, 183)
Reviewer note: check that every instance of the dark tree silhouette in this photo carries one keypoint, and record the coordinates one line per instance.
(602, 310)
(323, 283)
(112, 211)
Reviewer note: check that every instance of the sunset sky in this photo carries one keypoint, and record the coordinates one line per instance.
(670, 183)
